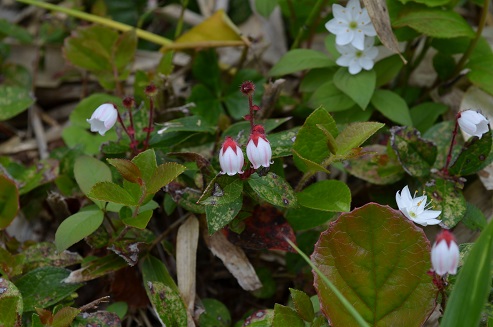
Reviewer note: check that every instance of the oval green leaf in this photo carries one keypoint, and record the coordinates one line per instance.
(392, 106)
(13, 101)
(9, 201)
(378, 260)
(76, 227)
(358, 87)
(300, 59)
(273, 189)
(328, 195)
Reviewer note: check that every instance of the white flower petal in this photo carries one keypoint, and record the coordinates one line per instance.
(345, 38)
(354, 67)
(358, 40)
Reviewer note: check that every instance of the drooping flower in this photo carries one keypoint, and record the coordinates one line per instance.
(231, 157)
(356, 59)
(103, 118)
(473, 123)
(258, 148)
(445, 254)
(415, 208)
(350, 24)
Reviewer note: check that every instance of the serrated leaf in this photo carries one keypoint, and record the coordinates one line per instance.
(9, 201)
(13, 101)
(11, 305)
(378, 260)
(473, 157)
(146, 162)
(273, 189)
(163, 175)
(436, 23)
(328, 195)
(140, 221)
(64, 317)
(111, 192)
(358, 87)
(127, 169)
(300, 59)
(76, 227)
(220, 215)
(302, 304)
(449, 199)
(416, 155)
(392, 106)
(311, 142)
(285, 316)
(43, 287)
(354, 135)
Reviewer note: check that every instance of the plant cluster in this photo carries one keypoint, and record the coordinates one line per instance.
(189, 193)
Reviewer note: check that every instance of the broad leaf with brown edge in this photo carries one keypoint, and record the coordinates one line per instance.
(266, 228)
(378, 260)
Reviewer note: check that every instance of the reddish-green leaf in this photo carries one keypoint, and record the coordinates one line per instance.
(65, 316)
(378, 260)
(127, 169)
(354, 135)
(9, 201)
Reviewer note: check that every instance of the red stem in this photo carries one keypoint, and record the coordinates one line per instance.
(250, 104)
(149, 127)
(449, 156)
(131, 136)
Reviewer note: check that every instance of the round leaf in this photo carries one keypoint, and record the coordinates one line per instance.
(76, 227)
(378, 260)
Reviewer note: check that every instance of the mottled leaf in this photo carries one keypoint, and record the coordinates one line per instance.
(273, 189)
(220, 215)
(449, 199)
(11, 305)
(473, 157)
(416, 155)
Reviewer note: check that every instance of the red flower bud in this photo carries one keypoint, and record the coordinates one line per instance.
(247, 88)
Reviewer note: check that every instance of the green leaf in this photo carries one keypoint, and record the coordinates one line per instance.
(154, 270)
(120, 308)
(449, 199)
(146, 162)
(473, 157)
(9, 201)
(285, 316)
(282, 142)
(302, 304)
(124, 50)
(140, 221)
(387, 69)
(436, 23)
(220, 215)
(472, 286)
(95, 267)
(64, 317)
(300, 59)
(45, 254)
(15, 31)
(358, 87)
(375, 166)
(223, 190)
(11, 305)
(111, 192)
(88, 171)
(207, 107)
(328, 195)
(167, 304)
(354, 135)
(216, 314)
(436, 135)
(378, 260)
(127, 169)
(13, 101)
(189, 124)
(76, 136)
(265, 7)
(481, 66)
(392, 106)
(163, 175)
(474, 218)
(205, 69)
(311, 141)
(429, 3)
(273, 189)
(331, 98)
(416, 155)
(98, 318)
(44, 287)
(302, 218)
(76, 227)
(424, 115)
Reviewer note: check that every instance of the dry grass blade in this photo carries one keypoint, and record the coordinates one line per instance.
(379, 15)
(186, 260)
(235, 261)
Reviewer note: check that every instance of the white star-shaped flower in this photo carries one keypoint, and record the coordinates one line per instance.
(355, 59)
(414, 208)
(351, 24)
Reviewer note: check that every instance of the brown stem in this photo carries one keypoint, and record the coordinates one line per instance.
(449, 155)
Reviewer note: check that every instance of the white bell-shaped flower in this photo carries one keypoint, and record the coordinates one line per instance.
(258, 149)
(445, 254)
(103, 118)
(473, 123)
(231, 157)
